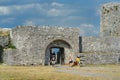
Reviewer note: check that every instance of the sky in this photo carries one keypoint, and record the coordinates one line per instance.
(84, 14)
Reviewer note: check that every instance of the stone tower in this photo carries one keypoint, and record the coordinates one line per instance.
(110, 19)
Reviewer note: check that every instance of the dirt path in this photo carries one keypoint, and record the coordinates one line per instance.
(105, 73)
(68, 69)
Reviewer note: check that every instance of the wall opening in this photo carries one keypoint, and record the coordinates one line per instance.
(59, 53)
(119, 59)
(61, 48)
(80, 44)
(1, 54)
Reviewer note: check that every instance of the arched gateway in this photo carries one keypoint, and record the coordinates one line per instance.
(34, 45)
(62, 50)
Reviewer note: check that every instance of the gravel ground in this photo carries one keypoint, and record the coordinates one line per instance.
(105, 72)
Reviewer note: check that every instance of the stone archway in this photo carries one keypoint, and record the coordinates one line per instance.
(65, 50)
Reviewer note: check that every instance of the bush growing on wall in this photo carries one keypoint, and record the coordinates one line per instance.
(10, 45)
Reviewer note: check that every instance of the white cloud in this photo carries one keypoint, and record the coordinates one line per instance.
(49, 13)
(44, 9)
(20, 7)
(57, 4)
(7, 20)
(98, 11)
(29, 23)
(17, 9)
(87, 25)
(88, 30)
(71, 20)
(4, 10)
(105, 1)
(5, 29)
(54, 12)
(60, 12)
(59, 9)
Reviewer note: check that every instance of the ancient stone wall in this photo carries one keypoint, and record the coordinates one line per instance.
(100, 50)
(100, 44)
(10, 57)
(110, 19)
(32, 42)
(4, 40)
(100, 58)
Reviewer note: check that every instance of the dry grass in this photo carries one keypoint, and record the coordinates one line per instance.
(106, 72)
(37, 73)
(4, 33)
(109, 72)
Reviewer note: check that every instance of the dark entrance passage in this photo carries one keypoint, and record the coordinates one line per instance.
(61, 48)
(59, 52)
(1, 54)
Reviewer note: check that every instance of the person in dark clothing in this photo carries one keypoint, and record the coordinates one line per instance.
(53, 59)
(50, 58)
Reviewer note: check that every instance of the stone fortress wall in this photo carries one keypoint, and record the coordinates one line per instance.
(110, 19)
(100, 45)
(106, 48)
(4, 40)
(100, 50)
(32, 43)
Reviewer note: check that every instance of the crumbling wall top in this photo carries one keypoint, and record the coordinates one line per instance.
(47, 30)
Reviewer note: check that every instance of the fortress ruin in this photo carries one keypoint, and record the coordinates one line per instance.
(33, 45)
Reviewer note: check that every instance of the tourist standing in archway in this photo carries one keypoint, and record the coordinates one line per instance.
(53, 59)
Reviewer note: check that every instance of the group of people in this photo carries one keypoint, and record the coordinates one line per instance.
(71, 61)
(74, 62)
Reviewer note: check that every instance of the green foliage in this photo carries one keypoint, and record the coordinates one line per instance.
(10, 46)
(1, 48)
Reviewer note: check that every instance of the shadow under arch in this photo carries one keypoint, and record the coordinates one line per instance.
(1, 54)
(63, 46)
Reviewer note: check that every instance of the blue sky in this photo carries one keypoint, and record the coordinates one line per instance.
(84, 14)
